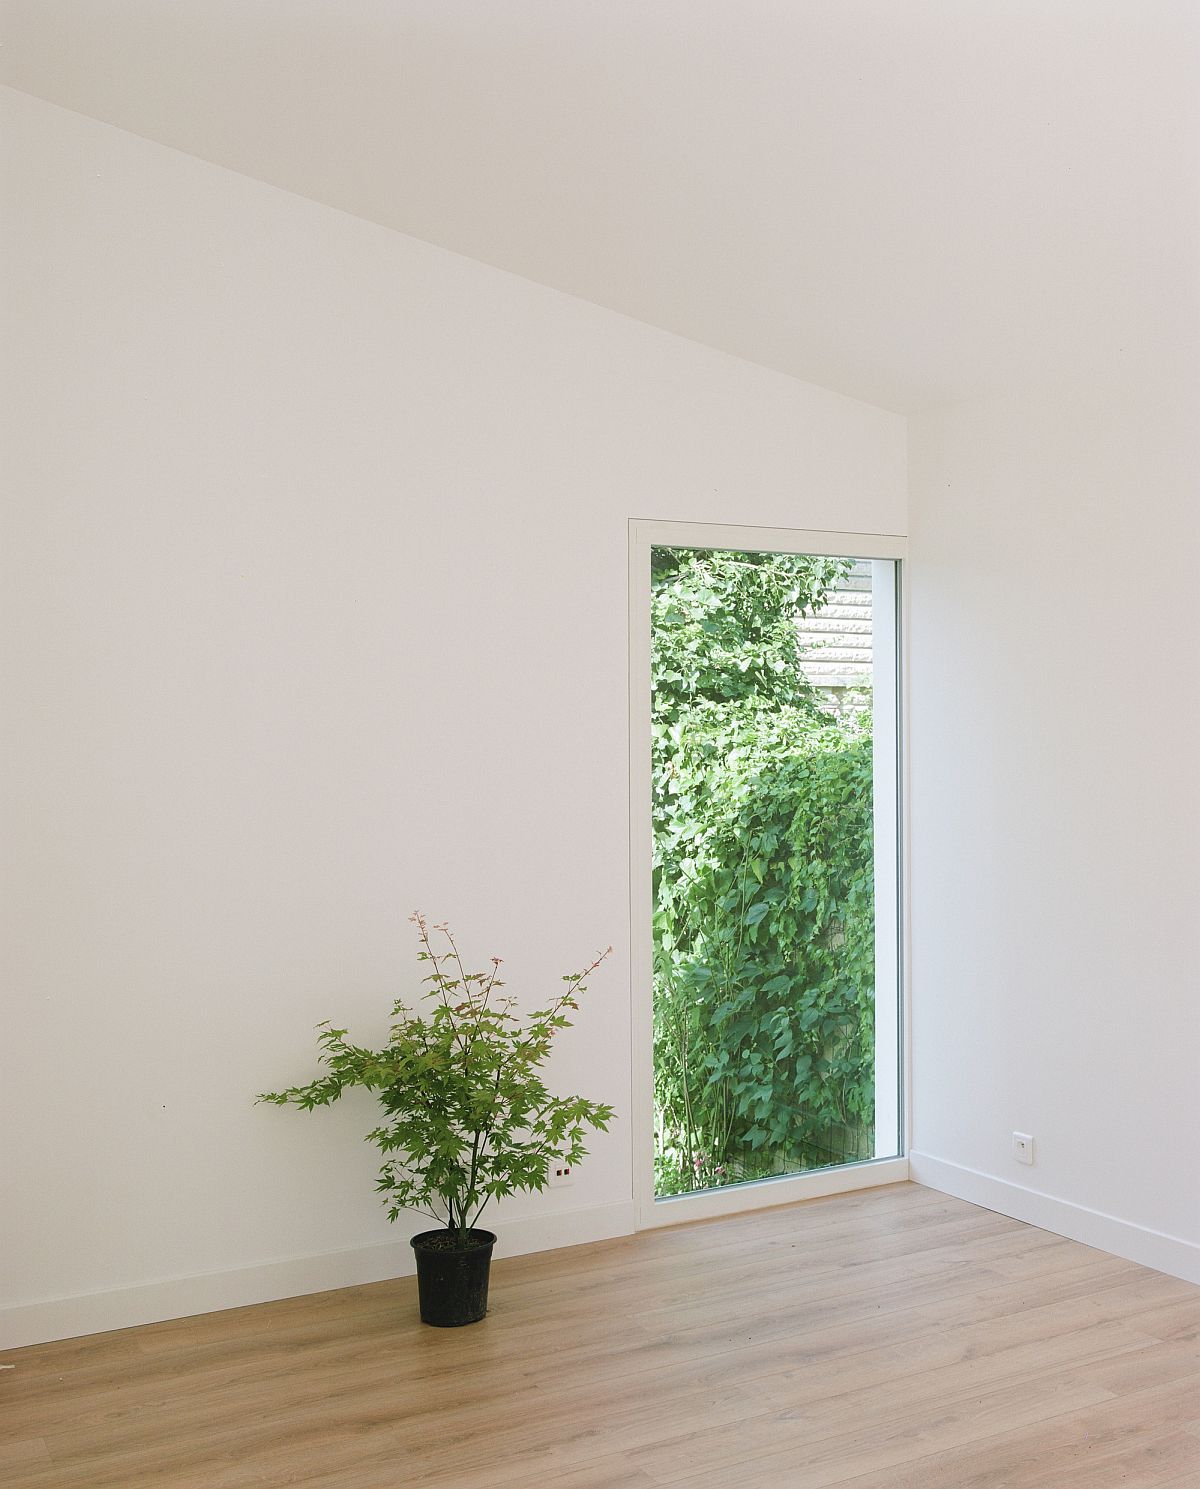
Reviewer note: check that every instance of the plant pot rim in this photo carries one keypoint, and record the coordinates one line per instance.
(479, 1239)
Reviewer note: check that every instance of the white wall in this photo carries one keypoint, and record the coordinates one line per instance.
(315, 589)
(1055, 734)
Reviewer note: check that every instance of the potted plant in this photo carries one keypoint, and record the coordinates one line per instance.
(466, 1115)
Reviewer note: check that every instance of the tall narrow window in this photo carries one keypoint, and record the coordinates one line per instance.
(774, 925)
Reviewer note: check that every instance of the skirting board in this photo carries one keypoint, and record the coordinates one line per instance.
(96, 1313)
(1135, 1243)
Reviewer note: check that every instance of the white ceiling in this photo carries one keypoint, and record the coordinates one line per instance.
(912, 201)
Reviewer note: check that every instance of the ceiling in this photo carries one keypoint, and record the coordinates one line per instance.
(910, 201)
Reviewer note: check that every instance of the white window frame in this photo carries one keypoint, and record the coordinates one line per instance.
(645, 534)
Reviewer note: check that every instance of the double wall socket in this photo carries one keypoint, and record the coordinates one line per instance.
(1022, 1147)
(560, 1174)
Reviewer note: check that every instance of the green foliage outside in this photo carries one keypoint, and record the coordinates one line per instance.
(763, 893)
(467, 1117)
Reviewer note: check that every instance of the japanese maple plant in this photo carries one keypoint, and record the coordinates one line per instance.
(467, 1117)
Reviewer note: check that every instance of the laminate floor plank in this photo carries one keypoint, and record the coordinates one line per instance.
(1091, 1446)
(883, 1339)
(798, 1460)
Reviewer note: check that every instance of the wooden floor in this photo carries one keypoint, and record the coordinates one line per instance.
(891, 1339)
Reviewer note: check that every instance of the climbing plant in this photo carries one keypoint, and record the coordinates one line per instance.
(763, 921)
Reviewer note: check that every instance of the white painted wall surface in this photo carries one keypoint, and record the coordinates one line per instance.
(1055, 808)
(314, 581)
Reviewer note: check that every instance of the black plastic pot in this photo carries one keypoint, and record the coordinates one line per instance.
(452, 1281)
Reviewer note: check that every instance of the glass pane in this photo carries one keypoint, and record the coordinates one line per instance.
(775, 996)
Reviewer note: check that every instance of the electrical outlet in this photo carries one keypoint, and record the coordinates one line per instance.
(560, 1173)
(1022, 1147)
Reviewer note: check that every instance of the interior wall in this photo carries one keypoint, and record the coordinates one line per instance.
(1055, 843)
(315, 591)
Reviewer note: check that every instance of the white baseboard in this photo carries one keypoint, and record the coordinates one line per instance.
(121, 1308)
(1136, 1243)
(180, 1297)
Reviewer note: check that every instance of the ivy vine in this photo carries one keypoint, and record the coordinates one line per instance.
(763, 886)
